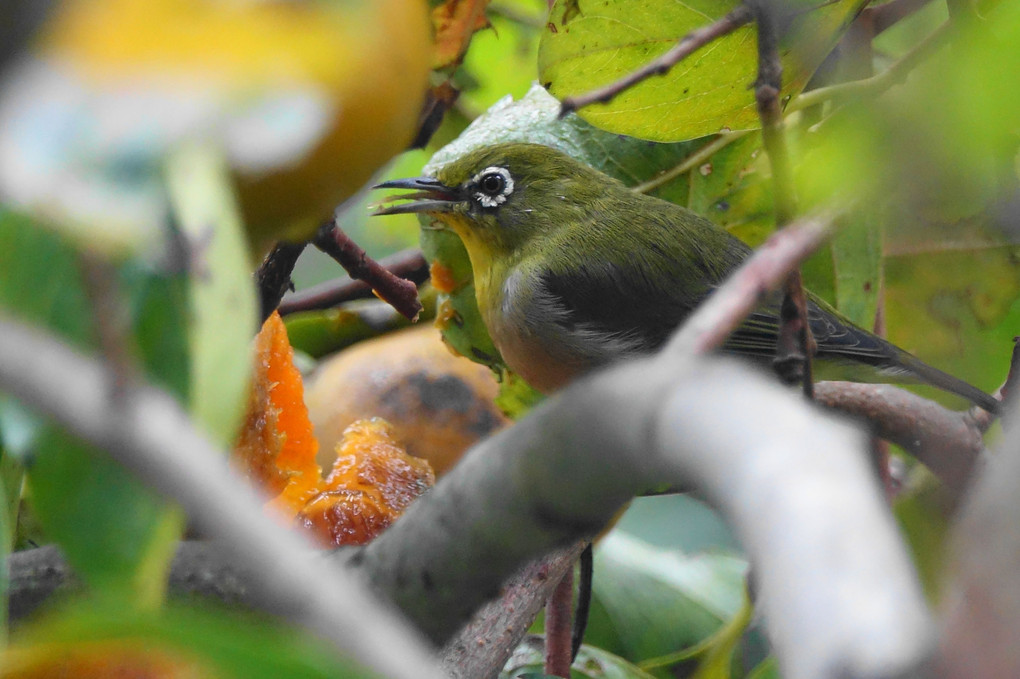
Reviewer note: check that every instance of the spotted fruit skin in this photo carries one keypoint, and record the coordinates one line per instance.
(439, 404)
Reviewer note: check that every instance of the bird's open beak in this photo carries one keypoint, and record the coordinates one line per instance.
(428, 195)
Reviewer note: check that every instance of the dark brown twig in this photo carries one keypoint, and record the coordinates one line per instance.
(401, 294)
(273, 275)
(482, 647)
(438, 100)
(795, 346)
(687, 45)
(407, 264)
(559, 615)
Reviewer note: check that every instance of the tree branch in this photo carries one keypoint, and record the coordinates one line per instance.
(401, 294)
(152, 436)
(690, 162)
(482, 647)
(814, 525)
(948, 442)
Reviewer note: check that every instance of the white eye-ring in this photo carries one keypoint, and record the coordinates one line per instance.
(493, 185)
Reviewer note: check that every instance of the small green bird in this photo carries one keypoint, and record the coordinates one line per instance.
(574, 270)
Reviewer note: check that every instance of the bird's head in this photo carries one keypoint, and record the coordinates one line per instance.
(500, 198)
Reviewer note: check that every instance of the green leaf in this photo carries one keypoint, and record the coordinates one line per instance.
(733, 189)
(662, 600)
(722, 647)
(958, 309)
(229, 643)
(511, 44)
(118, 536)
(857, 259)
(158, 312)
(535, 118)
(41, 281)
(115, 532)
(516, 397)
(590, 44)
(528, 662)
(223, 308)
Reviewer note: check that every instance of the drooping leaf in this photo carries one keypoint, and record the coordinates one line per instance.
(589, 44)
(663, 600)
(222, 295)
(116, 534)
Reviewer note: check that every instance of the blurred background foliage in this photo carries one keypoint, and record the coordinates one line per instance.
(240, 123)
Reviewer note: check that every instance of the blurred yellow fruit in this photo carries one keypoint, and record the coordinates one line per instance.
(305, 99)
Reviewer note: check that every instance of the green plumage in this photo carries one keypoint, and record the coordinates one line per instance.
(574, 270)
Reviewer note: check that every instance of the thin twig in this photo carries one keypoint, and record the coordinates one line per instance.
(406, 264)
(154, 438)
(691, 161)
(558, 623)
(687, 45)
(878, 83)
(795, 346)
(400, 293)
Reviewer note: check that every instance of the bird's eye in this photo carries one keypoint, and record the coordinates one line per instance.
(492, 186)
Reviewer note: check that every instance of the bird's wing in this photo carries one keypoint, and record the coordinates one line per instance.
(836, 337)
(607, 309)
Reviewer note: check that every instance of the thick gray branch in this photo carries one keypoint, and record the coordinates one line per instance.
(151, 435)
(837, 588)
(948, 442)
(981, 605)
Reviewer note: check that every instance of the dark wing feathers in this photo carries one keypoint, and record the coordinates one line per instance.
(602, 297)
(836, 337)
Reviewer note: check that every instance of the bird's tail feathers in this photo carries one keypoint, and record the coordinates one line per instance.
(914, 367)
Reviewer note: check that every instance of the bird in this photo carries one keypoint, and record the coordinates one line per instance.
(573, 270)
